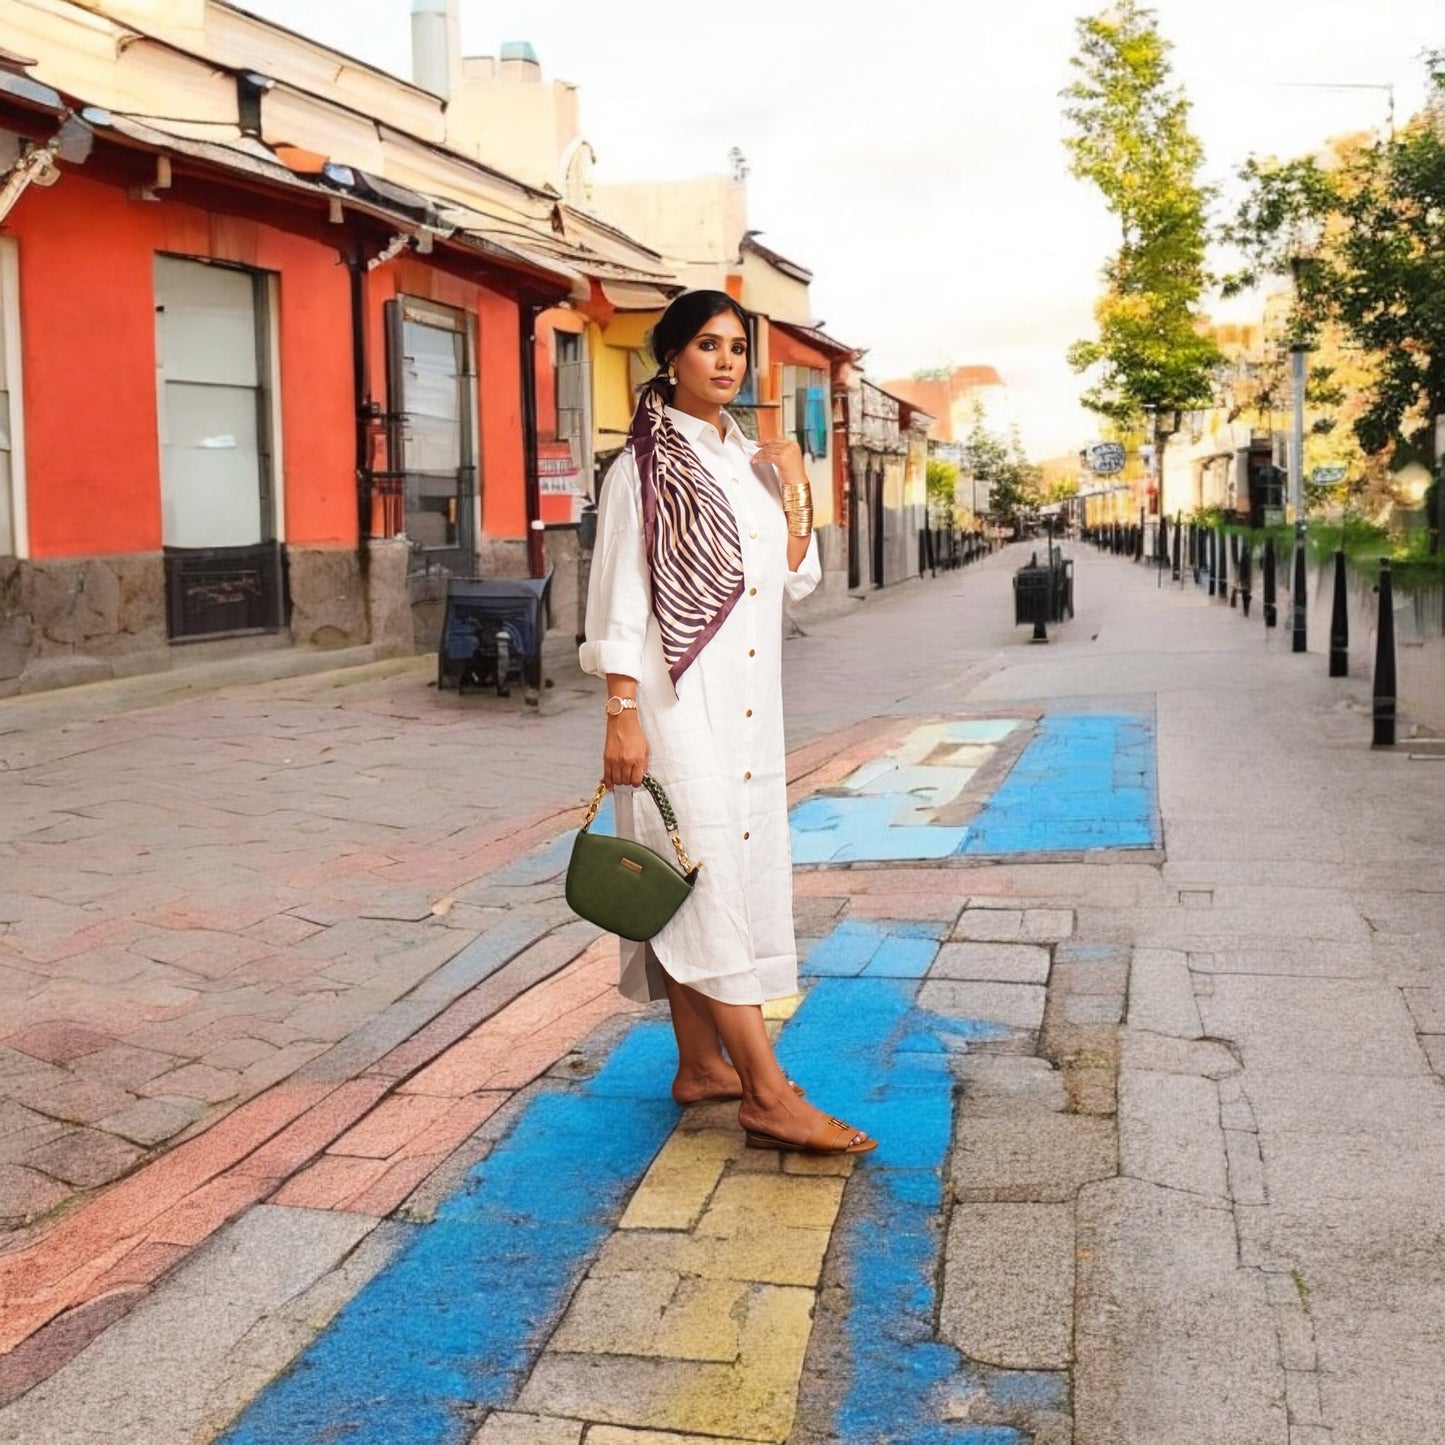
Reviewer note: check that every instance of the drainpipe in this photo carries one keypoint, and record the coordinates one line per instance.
(356, 272)
(532, 490)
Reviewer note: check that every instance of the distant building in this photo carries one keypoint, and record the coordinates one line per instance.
(954, 401)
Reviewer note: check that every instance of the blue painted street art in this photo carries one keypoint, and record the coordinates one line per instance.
(1083, 782)
(452, 1326)
(455, 1322)
(874, 949)
(886, 1062)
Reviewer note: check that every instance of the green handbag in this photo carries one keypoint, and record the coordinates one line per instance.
(623, 887)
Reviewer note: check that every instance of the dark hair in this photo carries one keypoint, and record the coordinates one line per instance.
(687, 315)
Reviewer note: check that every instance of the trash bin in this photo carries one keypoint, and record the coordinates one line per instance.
(1033, 595)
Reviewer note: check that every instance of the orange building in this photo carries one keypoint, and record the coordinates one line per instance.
(952, 400)
(249, 386)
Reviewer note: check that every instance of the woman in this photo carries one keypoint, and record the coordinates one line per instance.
(700, 534)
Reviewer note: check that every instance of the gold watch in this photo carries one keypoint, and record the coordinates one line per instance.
(616, 706)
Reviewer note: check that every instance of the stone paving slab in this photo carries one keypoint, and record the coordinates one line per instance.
(1344, 1026)
(1010, 1300)
(993, 962)
(1173, 1340)
(1170, 1134)
(1015, 1005)
(248, 1274)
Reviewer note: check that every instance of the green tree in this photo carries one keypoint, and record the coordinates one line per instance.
(1015, 485)
(1131, 139)
(942, 489)
(1364, 239)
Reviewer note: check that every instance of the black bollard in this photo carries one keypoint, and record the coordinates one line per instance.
(1299, 624)
(1385, 661)
(1223, 566)
(1210, 559)
(1340, 623)
(1246, 575)
(1178, 522)
(1271, 610)
(1234, 562)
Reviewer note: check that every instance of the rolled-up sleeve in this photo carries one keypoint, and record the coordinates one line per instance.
(618, 596)
(798, 584)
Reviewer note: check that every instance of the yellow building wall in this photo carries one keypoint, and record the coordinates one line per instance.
(773, 293)
(610, 348)
(895, 482)
(915, 488)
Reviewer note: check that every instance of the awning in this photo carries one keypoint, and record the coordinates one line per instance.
(817, 338)
(634, 295)
(21, 87)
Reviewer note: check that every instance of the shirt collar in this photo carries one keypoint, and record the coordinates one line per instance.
(695, 429)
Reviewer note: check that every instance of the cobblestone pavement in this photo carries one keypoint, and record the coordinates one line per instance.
(321, 1119)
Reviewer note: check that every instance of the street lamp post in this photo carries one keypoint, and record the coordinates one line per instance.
(1305, 240)
(1151, 413)
(1299, 357)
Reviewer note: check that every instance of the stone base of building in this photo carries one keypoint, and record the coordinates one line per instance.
(65, 621)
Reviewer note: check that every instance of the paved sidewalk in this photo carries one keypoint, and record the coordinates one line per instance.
(289, 962)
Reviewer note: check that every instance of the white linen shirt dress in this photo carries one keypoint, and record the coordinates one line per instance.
(716, 743)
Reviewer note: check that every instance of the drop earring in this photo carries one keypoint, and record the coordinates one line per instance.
(672, 376)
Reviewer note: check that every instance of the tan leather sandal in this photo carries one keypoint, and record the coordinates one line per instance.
(829, 1136)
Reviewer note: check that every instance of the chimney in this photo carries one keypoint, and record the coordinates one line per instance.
(435, 45)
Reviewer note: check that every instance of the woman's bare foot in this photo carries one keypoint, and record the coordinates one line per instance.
(712, 1084)
(719, 1084)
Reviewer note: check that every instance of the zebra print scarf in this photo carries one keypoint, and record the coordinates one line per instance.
(693, 548)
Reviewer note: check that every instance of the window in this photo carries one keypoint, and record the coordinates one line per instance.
(212, 358)
(432, 383)
(574, 403)
(12, 445)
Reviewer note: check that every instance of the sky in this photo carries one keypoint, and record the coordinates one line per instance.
(911, 155)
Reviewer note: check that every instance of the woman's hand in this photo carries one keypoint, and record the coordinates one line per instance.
(624, 751)
(787, 456)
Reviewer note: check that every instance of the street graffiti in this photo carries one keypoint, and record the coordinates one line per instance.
(1082, 782)
(455, 1325)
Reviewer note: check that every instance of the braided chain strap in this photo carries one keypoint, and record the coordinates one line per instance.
(664, 807)
(669, 818)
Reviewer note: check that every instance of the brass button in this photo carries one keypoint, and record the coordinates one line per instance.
(752, 591)
(746, 776)
(748, 713)
(752, 652)
(735, 481)
(752, 534)
(746, 836)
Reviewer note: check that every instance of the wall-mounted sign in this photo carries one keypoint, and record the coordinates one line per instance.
(1328, 476)
(1106, 458)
